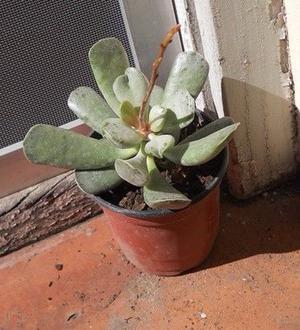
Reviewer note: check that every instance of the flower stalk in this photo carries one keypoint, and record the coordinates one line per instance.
(143, 125)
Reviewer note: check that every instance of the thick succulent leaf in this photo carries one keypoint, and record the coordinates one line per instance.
(158, 193)
(183, 105)
(133, 170)
(90, 107)
(158, 144)
(97, 181)
(189, 71)
(208, 129)
(157, 118)
(171, 125)
(131, 86)
(129, 114)
(108, 60)
(120, 134)
(156, 96)
(201, 151)
(45, 144)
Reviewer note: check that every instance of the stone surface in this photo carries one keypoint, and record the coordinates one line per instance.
(79, 279)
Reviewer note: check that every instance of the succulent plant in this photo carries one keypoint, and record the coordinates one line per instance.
(140, 123)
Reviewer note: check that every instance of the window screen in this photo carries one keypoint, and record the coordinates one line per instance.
(44, 56)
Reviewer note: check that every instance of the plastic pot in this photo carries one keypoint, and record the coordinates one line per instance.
(165, 242)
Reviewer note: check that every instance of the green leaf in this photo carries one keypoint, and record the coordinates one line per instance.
(97, 181)
(131, 86)
(158, 193)
(171, 125)
(189, 71)
(133, 170)
(120, 134)
(156, 96)
(90, 107)
(157, 118)
(108, 60)
(45, 144)
(201, 151)
(158, 144)
(183, 105)
(129, 114)
(208, 129)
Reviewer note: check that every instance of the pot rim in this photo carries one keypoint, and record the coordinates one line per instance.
(163, 212)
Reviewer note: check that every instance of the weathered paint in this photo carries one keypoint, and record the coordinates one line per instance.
(211, 52)
(246, 46)
(292, 9)
(191, 40)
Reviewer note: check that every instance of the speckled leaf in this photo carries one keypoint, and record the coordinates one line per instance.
(208, 129)
(157, 118)
(45, 144)
(183, 105)
(158, 144)
(131, 87)
(156, 96)
(90, 107)
(97, 181)
(108, 60)
(201, 151)
(189, 71)
(129, 114)
(158, 193)
(133, 170)
(120, 134)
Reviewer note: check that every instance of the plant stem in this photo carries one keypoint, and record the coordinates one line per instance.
(151, 166)
(154, 74)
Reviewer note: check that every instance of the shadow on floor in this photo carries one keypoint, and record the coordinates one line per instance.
(264, 225)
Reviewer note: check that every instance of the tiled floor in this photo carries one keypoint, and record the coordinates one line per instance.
(79, 279)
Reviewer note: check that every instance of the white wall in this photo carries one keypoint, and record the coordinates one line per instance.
(292, 8)
(293, 24)
(246, 44)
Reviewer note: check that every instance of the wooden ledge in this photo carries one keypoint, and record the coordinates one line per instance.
(42, 210)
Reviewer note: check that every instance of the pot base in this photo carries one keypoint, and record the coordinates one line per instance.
(170, 244)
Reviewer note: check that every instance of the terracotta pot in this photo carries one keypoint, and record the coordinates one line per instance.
(165, 242)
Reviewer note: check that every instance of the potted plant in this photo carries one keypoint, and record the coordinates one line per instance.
(147, 142)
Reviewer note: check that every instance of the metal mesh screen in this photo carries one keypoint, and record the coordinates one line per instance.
(44, 56)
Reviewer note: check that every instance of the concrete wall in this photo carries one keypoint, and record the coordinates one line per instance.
(246, 44)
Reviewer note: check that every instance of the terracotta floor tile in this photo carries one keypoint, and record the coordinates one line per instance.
(79, 279)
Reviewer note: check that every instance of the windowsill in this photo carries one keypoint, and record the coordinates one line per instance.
(248, 281)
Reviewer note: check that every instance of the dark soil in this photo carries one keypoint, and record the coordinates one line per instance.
(190, 181)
